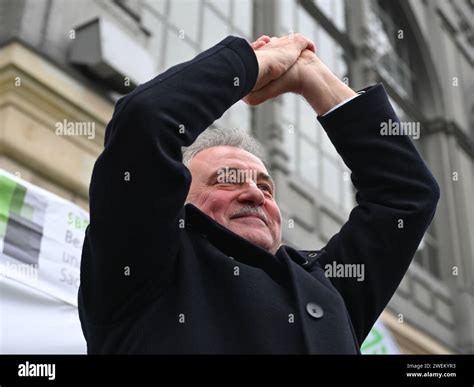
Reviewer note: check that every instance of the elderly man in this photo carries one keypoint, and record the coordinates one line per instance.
(183, 253)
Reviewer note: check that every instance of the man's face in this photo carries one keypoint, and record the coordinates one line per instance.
(232, 186)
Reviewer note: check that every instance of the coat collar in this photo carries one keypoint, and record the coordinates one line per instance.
(240, 248)
(232, 244)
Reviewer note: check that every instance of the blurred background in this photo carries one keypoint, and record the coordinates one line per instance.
(63, 64)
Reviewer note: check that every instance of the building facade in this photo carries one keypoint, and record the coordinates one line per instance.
(64, 63)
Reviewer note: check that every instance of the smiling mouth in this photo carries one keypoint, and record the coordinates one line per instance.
(250, 216)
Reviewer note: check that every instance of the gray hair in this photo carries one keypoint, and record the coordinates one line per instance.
(223, 136)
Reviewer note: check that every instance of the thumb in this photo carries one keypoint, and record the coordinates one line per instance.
(271, 90)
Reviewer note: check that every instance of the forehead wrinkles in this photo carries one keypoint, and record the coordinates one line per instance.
(234, 163)
(230, 155)
(238, 163)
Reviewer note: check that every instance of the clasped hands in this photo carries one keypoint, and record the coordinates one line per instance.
(290, 64)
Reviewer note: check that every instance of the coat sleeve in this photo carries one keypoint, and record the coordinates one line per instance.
(139, 183)
(396, 201)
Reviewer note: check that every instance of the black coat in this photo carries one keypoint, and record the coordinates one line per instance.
(161, 277)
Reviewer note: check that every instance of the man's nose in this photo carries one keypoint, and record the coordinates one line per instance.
(251, 193)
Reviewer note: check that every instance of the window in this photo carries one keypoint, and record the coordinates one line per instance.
(333, 10)
(221, 18)
(223, 6)
(289, 144)
(215, 28)
(177, 50)
(157, 5)
(313, 158)
(307, 123)
(309, 162)
(306, 24)
(243, 16)
(287, 16)
(238, 116)
(289, 106)
(184, 14)
(386, 37)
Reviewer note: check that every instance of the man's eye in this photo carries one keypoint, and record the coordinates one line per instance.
(265, 187)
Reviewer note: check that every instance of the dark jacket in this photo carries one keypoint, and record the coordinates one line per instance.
(158, 276)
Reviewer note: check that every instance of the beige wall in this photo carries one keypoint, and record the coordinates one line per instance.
(34, 96)
(411, 340)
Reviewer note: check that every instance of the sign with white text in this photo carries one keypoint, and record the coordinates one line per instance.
(41, 237)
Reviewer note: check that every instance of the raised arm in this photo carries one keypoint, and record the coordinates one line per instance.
(139, 184)
(396, 193)
(396, 200)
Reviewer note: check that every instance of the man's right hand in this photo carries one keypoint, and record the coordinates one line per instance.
(277, 55)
